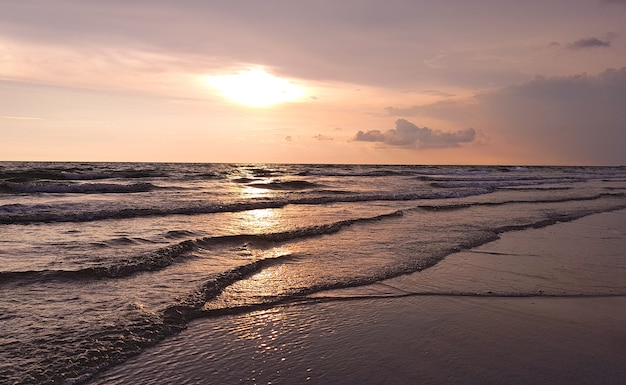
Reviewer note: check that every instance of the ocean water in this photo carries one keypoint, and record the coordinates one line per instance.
(99, 261)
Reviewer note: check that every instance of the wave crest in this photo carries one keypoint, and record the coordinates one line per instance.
(75, 188)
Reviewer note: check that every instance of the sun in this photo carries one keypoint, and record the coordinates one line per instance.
(255, 87)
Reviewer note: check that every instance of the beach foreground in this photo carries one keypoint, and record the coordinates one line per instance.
(539, 306)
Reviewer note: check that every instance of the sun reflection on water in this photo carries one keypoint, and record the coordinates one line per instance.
(262, 326)
(279, 336)
(251, 192)
(261, 221)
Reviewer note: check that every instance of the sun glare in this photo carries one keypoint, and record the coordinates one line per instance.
(256, 88)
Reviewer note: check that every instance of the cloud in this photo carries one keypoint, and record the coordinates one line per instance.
(438, 93)
(622, 2)
(453, 110)
(286, 37)
(323, 137)
(282, 35)
(370, 136)
(407, 134)
(569, 119)
(577, 119)
(592, 42)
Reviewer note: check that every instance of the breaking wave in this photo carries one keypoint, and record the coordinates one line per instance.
(20, 176)
(78, 188)
(287, 185)
(165, 256)
(24, 214)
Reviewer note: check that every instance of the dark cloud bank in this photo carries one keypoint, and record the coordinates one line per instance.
(577, 119)
(407, 134)
(574, 119)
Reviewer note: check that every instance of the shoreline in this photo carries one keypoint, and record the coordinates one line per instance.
(556, 337)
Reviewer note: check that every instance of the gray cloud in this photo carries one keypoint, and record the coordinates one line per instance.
(592, 42)
(622, 2)
(563, 119)
(566, 119)
(407, 134)
(322, 40)
(370, 136)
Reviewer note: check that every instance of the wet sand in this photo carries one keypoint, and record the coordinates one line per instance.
(544, 306)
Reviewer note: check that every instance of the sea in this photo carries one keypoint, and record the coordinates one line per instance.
(99, 261)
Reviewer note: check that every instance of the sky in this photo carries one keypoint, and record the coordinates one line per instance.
(386, 82)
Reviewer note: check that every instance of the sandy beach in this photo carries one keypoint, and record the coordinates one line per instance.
(541, 306)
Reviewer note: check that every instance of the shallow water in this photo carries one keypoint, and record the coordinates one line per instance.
(100, 260)
(519, 310)
(429, 340)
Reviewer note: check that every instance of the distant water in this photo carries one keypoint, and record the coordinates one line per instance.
(100, 260)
